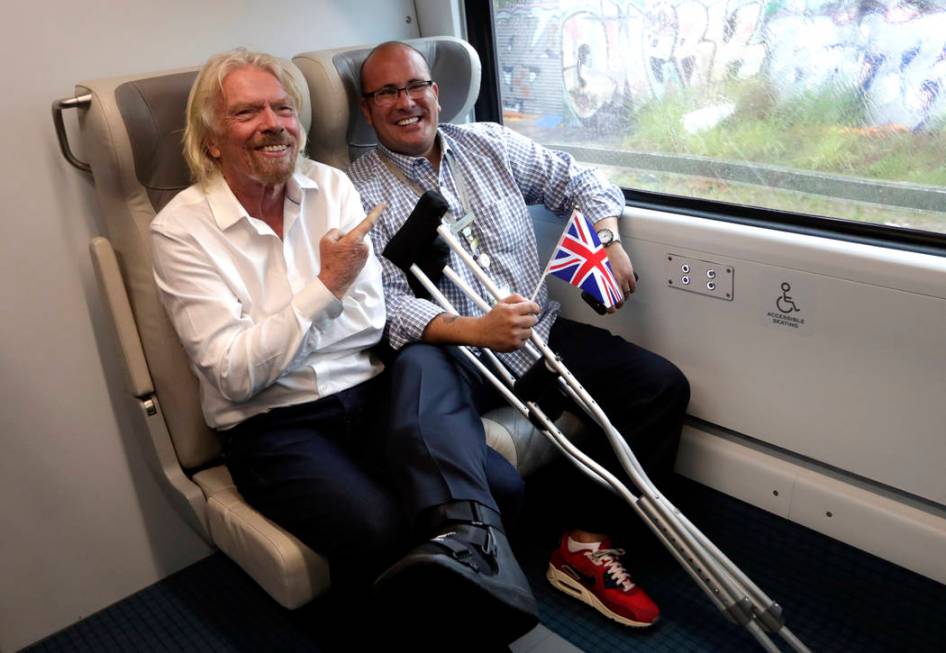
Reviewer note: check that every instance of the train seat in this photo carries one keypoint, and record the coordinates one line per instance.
(131, 129)
(340, 133)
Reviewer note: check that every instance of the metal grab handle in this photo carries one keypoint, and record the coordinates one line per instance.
(58, 106)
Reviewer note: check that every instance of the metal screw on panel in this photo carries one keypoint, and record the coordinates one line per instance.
(711, 285)
(685, 268)
(685, 280)
(711, 274)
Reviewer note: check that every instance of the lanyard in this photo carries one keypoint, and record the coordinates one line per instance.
(462, 226)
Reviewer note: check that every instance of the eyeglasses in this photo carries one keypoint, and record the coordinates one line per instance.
(388, 95)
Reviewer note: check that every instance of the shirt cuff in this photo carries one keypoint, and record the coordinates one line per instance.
(603, 214)
(609, 203)
(316, 302)
(414, 318)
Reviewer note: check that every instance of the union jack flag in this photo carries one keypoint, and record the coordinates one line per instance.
(582, 261)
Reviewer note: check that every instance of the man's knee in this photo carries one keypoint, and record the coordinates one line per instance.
(675, 387)
(417, 359)
(432, 397)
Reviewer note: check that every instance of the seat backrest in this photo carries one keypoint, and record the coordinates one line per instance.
(132, 132)
(339, 132)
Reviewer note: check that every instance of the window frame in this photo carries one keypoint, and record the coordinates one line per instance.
(481, 34)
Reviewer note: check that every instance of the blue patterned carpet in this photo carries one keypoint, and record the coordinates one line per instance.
(835, 599)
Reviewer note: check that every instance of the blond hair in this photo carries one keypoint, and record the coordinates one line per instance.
(205, 100)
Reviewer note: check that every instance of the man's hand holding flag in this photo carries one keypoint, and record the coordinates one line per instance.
(581, 260)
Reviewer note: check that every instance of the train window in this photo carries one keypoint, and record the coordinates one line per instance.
(830, 108)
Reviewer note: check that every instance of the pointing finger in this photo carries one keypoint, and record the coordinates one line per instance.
(362, 228)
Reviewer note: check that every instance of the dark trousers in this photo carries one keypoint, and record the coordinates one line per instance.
(342, 475)
(644, 395)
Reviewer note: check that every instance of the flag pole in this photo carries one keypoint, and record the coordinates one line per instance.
(548, 263)
(544, 274)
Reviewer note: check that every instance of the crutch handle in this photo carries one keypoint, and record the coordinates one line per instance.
(417, 243)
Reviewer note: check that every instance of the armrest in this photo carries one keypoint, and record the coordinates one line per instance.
(109, 275)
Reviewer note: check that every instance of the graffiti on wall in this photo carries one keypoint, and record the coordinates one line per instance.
(590, 58)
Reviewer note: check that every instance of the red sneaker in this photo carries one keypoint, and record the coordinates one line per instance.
(599, 579)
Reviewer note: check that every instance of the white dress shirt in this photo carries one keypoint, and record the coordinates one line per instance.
(260, 327)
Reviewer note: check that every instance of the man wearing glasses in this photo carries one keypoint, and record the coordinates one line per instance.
(488, 175)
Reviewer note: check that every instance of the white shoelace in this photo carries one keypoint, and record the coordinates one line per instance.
(610, 558)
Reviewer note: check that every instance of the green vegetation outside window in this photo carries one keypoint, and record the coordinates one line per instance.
(831, 108)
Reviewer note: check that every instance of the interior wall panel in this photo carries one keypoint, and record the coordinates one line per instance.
(854, 378)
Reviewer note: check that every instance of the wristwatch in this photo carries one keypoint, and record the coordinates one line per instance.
(607, 237)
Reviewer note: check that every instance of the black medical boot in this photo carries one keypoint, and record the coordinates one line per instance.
(463, 585)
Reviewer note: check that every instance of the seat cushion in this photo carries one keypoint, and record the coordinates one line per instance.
(521, 443)
(287, 569)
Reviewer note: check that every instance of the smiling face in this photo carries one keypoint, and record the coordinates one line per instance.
(256, 140)
(409, 126)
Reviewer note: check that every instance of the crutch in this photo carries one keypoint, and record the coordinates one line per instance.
(414, 250)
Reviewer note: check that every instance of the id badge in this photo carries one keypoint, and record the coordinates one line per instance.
(457, 226)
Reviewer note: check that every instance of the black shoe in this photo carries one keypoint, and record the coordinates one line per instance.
(462, 584)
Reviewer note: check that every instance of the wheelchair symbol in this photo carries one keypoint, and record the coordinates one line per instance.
(785, 303)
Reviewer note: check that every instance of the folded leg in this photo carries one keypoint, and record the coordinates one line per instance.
(309, 468)
(437, 450)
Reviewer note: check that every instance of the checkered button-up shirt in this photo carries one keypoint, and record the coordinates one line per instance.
(494, 173)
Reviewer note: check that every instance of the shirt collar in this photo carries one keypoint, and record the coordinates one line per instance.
(406, 163)
(299, 183)
(227, 210)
